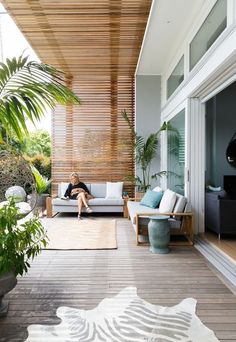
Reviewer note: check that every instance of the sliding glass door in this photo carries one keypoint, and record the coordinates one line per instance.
(176, 153)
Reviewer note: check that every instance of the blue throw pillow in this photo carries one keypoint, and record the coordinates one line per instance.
(152, 199)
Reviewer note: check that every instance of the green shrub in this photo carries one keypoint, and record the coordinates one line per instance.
(37, 143)
(41, 163)
(42, 183)
(19, 244)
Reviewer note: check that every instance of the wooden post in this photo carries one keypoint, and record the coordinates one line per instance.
(49, 207)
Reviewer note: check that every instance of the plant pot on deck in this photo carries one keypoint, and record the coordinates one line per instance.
(41, 201)
(7, 282)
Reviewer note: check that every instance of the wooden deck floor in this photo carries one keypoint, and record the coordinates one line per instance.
(83, 278)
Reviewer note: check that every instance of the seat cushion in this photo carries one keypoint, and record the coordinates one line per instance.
(92, 202)
(135, 207)
(106, 201)
(59, 201)
(98, 190)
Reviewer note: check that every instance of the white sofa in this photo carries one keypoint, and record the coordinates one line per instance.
(181, 217)
(98, 204)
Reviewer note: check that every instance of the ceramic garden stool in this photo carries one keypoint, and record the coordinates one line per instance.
(159, 234)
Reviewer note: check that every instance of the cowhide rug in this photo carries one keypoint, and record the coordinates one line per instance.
(126, 318)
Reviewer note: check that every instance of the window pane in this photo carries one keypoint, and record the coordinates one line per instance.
(176, 153)
(210, 30)
(175, 78)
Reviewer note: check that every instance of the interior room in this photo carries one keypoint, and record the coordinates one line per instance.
(220, 175)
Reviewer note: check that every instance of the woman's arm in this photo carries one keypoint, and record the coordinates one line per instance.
(68, 191)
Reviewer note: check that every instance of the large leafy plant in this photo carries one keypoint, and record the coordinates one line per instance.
(145, 152)
(42, 182)
(27, 90)
(19, 243)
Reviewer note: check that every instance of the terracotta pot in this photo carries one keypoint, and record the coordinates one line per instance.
(7, 282)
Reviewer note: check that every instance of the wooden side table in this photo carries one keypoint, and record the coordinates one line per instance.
(125, 208)
(159, 234)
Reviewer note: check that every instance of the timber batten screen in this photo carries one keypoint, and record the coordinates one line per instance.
(97, 44)
(88, 139)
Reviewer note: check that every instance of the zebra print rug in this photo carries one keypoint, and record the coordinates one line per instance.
(126, 318)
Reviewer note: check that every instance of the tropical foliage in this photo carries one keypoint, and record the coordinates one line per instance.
(36, 143)
(19, 243)
(27, 90)
(42, 183)
(41, 163)
(145, 152)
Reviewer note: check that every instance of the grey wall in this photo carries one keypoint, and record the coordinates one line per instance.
(220, 127)
(148, 109)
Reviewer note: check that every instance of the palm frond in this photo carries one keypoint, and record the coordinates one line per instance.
(27, 89)
(42, 183)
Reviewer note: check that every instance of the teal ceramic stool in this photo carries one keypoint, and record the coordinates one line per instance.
(159, 234)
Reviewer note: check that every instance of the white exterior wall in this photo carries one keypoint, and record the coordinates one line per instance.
(147, 110)
(212, 73)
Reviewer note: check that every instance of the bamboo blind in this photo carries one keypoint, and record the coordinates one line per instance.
(96, 43)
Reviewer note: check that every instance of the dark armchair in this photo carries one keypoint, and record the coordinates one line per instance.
(220, 213)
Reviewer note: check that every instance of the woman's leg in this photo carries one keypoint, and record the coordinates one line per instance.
(84, 201)
(81, 195)
(80, 205)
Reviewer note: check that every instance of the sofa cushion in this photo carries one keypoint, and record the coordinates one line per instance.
(98, 190)
(180, 204)
(62, 188)
(114, 189)
(135, 207)
(92, 202)
(69, 202)
(168, 201)
(151, 199)
(157, 189)
(106, 201)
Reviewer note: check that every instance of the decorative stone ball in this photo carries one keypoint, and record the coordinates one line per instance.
(17, 193)
(23, 207)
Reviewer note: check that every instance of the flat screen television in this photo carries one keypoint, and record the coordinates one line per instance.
(230, 186)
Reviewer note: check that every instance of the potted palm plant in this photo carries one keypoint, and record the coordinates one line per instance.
(145, 152)
(20, 241)
(42, 188)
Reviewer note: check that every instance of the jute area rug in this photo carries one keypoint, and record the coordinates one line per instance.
(126, 318)
(70, 233)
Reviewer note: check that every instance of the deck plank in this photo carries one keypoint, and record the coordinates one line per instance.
(83, 278)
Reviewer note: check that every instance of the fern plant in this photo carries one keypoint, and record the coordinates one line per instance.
(27, 90)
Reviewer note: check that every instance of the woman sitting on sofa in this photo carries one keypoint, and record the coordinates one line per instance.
(78, 190)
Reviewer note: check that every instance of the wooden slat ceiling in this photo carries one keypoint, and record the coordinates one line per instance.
(96, 43)
(84, 36)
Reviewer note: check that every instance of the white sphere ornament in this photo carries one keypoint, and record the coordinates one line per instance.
(17, 193)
